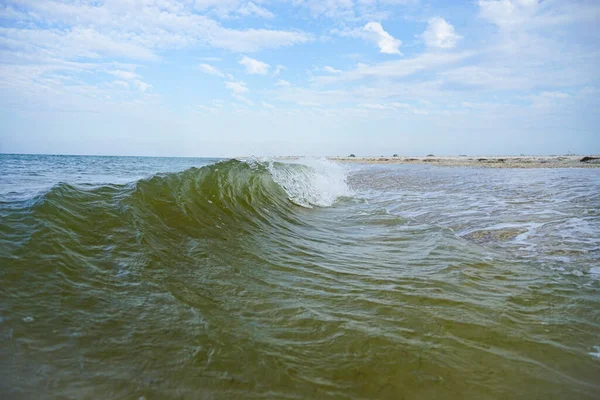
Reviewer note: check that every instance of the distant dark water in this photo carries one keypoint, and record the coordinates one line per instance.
(191, 278)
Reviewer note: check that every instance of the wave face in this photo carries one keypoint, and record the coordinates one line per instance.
(258, 279)
(208, 208)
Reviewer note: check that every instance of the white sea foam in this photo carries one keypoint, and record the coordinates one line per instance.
(319, 183)
(596, 353)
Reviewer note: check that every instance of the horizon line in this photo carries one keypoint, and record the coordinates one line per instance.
(351, 155)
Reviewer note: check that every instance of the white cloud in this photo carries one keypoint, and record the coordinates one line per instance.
(388, 93)
(408, 108)
(440, 34)
(548, 99)
(523, 15)
(485, 77)
(243, 99)
(209, 69)
(534, 48)
(237, 88)
(329, 8)
(126, 75)
(331, 70)
(373, 106)
(133, 30)
(122, 84)
(254, 67)
(397, 68)
(250, 8)
(351, 10)
(282, 83)
(133, 78)
(142, 86)
(387, 44)
(232, 8)
(374, 32)
(74, 43)
(278, 69)
(252, 40)
(507, 13)
(395, 2)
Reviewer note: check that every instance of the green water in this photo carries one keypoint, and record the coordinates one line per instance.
(265, 280)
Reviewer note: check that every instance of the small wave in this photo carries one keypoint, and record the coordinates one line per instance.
(218, 200)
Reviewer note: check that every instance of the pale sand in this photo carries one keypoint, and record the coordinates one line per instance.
(479, 161)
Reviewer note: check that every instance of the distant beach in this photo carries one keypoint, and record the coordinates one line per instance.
(567, 161)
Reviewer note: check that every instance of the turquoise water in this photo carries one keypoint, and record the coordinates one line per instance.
(191, 278)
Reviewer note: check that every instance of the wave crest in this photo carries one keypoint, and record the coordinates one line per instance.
(311, 182)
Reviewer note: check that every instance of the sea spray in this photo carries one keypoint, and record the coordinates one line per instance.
(312, 182)
(308, 182)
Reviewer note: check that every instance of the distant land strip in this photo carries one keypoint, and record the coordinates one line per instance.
(562, 161)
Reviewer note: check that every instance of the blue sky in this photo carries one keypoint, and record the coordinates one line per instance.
(299, 77)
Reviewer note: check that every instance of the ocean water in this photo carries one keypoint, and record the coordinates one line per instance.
(166, 278)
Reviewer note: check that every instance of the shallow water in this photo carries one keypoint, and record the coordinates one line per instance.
(143, 277)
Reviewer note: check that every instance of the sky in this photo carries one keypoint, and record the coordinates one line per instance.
(228, 78)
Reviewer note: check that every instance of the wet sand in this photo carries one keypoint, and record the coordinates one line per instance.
(567, 161)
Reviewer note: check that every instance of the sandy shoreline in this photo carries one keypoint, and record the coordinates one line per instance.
(568, 161)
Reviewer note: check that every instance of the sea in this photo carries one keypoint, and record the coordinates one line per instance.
(195, 278)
